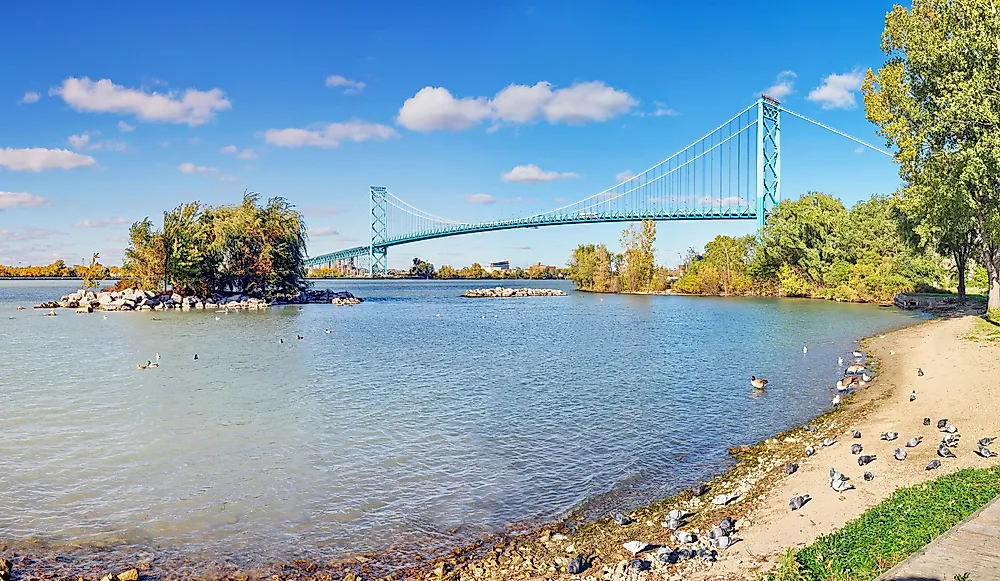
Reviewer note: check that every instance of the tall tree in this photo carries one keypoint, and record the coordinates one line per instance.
(936, 100)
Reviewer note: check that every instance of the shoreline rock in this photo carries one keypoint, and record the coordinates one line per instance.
(87, 301)
(506, 293)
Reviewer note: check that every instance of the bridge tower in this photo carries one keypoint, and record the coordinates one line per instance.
(768, 158)
(377, 252)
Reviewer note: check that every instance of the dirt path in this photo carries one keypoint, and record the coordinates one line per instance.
(961, 382)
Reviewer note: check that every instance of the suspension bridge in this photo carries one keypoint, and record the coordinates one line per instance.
(732, 173)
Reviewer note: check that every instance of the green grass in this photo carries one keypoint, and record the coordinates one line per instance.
(892, 530)
(984, 330)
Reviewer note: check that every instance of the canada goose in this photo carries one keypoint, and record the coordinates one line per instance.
(327, 331)
(847, 382)
(758, 383)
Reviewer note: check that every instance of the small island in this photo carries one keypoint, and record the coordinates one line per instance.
(508, 293)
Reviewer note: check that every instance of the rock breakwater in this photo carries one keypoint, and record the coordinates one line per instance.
(506, 293)
(86, 301)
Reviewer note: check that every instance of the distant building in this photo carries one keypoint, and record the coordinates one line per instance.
(495, 266)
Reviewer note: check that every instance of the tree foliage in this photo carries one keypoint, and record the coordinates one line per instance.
(936, 100)
(422, 269)
(247, 248)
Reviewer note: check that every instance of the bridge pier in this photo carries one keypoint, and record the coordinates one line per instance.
(377, 253)
(768, 159)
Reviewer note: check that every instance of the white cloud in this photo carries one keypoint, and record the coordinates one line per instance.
(331, 135)
(12, 200)
(39, 159)
(233, 150)
(322, 231)
(624, 176)
(192, 106)
(837, 91)
(79, 142)
(664, 112)
(350, 87)
(480, 199)
(192, 168)
(82, 141)
(435, 109)
(532, 174)
(30, 97)
(783, 85)
(103, 222)
(124, 127)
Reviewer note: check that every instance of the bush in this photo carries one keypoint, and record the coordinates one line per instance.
(791, 283)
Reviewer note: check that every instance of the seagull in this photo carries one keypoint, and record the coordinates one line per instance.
(157, 357)
(218, 319)
(791, 468)
(858, 354)
(836, 399)
(105, 317)
(856, 449)
(869, 477)
(805, 350)
(855, 434)
(862, 460)
(438, 315)
(944, 451)
(758, 383)
(986, 441)
(913, 396)
(840, 361)
(985, 452)
(810, 450)
(830, 441)
(935, 464)
(889, 436)
(621, 519)
(914, 442)
(798, 502)
(900, 454)
(920, 372)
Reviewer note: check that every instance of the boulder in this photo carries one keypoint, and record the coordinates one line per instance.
(176, 298)
(5, 569)
(104, 298)
(47, 305)
(85, 309)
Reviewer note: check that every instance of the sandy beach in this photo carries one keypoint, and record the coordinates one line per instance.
(961, 383)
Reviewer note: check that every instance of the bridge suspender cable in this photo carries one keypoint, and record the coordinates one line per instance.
(840, 133)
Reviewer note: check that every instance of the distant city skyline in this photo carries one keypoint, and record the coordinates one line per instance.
(472, 112)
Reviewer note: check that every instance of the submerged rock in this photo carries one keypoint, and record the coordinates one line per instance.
(504, 293)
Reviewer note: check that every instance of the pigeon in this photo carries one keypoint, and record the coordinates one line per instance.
(665, 555)
(869, 477)
(798, 502)
(841, 485)
(195, 356)
(791, 468)
(620, 519)
(636, 547)
(856, 434)
(900, 454)
(836, 400)
(716, 532)
(810, 428)
(810, 450)
(951, 440)
(950, 429)
(927, 421)
(727, 525)
(724, 499)
(986, 441)
(942, 423)
(985, 452)
(685, 554)
(914, 442)
(944, 451)
(710, 555)
(684, 537)
(638, 565)
(676, 514)
(576, 566)
(913, 396)
(856, 449)
(672, 524)
(867, 459)
(830, 441)
(920, 372)
(889, 436)
(935, 464)
(698, 490)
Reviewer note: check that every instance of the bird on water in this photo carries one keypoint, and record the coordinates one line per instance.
(758, 383)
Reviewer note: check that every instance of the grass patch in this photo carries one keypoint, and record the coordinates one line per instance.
(892, 530)
(984, 331)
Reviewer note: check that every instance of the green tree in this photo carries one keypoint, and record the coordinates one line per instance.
(95, 273)
(935, 100)
(144, 265)
(801, 233)
(421, 269)
(637, 256)
(447, 272)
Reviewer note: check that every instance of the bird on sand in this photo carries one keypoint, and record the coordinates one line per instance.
(985, 452)
(869, 477)
(810, 450)
(899, 454)
(856, 449)
(830, 441)
(949, 429)
(889, 436)
(798, 502)
(847, 382)
(944, 451)
(913, 396)
(791, 468)
(839, 482)
(758, 383)
(951, 440)
(927, 421)
(935, 464)
(920, 372)
(868, 459)
(986, 441)
(942, 423)
(621, 519)
(855, 433)
(914, 442)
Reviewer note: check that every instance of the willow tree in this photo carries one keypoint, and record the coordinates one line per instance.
(145, 262)
(936, 100)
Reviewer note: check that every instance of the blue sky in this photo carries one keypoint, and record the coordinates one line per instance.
(110, 112)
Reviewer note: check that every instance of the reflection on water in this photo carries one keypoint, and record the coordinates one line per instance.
(398, 424)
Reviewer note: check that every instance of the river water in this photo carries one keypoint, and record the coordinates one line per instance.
(422, 420)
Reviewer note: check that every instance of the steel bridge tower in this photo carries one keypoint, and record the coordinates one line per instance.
(377, 251)
(768, 158)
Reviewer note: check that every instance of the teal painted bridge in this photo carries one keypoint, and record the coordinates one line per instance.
(732, 173)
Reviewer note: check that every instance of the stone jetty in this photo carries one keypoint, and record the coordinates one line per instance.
(507, 293)
(86, 301)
